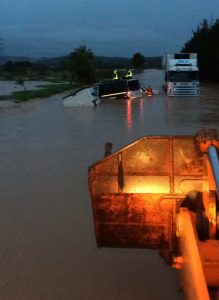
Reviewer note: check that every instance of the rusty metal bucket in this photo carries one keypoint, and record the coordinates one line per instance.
(137, 191)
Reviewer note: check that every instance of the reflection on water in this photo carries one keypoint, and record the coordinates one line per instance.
(48, 248)
(129, 113)
(139, 105)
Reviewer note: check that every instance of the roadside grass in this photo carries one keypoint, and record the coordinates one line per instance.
(5, 97)
(43, 92)
(49, 75)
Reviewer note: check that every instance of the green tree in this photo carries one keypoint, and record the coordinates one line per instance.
(205, 42)
(138, 60)
(21, 82)
(82, 65)
(213, 51)
(19, 67)
(199, 43)
(9, 66)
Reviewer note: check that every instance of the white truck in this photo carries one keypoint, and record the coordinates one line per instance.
(181, 74)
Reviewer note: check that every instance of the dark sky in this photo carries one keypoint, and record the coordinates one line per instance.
(108, 27)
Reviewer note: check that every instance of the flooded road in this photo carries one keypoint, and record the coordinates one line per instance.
(47, 247)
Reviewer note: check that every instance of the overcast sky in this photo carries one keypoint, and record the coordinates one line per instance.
(108, 27)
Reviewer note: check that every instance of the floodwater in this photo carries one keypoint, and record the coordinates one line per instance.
(47, 244)
(10, 86)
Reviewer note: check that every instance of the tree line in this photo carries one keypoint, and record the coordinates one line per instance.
(205, 42)
(80, 66)
(84, 66)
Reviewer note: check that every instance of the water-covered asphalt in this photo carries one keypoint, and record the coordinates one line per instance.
(47, 246)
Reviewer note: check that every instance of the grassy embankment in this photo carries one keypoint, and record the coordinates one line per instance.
(58, 85)
(43, 92)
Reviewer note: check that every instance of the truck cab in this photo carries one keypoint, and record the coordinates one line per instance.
(181, 74)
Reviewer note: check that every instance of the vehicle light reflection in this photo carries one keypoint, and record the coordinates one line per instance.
(129, 113)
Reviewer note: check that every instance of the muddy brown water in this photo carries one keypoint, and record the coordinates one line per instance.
(47, 242)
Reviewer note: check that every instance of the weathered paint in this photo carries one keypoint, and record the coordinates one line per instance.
(137, 191)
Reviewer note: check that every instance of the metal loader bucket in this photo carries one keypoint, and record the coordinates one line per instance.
(137, 191)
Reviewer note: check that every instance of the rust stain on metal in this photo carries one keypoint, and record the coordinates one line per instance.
(137, 191)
